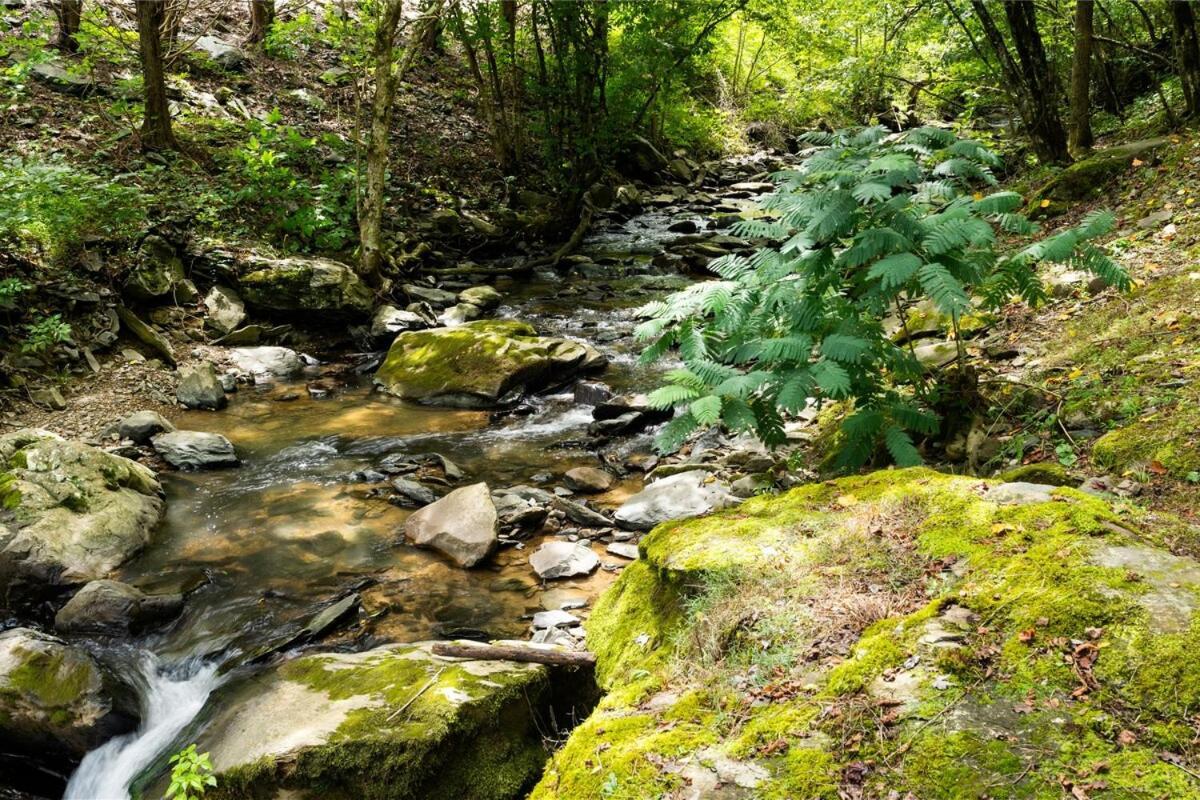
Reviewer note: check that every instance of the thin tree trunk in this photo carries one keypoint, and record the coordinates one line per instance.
(1081, 78)
(262, 17)
(1187, 55)
(156, 119)
(69, 13)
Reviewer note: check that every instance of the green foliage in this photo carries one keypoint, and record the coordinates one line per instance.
(191, 775)
(282, 181)
(870, 223)
(288, 38)
(44, 333)
(51, 208)
(11, 290)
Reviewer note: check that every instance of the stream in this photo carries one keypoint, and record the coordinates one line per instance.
(303, 521)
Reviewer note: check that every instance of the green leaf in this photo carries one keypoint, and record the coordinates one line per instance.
(670, 396)
(901, 448)
(707, 410)
(895, 270)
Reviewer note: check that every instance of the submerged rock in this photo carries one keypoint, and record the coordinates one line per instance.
(479, 364)
(69, 513)
(301, 283)
(195, 450)
(52, 696)
(462, 525)
(395, 722)
(688, 494)
(112, 607)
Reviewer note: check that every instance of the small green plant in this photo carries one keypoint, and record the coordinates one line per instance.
(11, 290)
(191, 775)
(870, 223)
(43, 334)
(1066, 454)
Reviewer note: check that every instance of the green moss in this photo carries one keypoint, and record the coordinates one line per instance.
(1045, 472)
(10, 494)
(57, 680)
(1168, 440)
(805, 772)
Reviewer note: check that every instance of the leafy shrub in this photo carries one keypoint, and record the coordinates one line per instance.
(191, 775)
(870, 223)
(11, 290)
(50, 208)
(275, 162)
(44, 333)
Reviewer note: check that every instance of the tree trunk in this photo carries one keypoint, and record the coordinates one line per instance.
(1030, 80)
(1081, 78)
(156, 120)
(69, 13)
(1187, 55)
(262, 16)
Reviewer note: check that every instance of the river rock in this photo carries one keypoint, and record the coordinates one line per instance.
(226, 311)
(436, 298)
(303, 284)
(413, 493)
(139, 426)
(158, 274)
(484, 297)
(195, 450)
(592, 393)
(459, 314)
(112, 607)
(199, 387)
(588, 480)
(462, 525)
(269, 362)
(52, 696)
(389, 321)
(71, 513)
(623, 549)
(479, 364)
(316, 721)
(559, 559)
(688, 494)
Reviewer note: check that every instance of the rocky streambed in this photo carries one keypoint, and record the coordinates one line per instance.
(263, 572)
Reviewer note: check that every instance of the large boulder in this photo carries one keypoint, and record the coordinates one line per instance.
(267, 362)
(1088, 178)
(52, 696)
(688, 494)
(226, 311)
(112, 607)
(158, 273)
(221, 53)
(479, 364)
(195, 450)
(462, 525)
(395, 722)
(69, 513)
(199, 387)
(303, 284)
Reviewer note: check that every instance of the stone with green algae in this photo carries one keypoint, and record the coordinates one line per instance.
(304, 284)
(479, 364)
(394, 722)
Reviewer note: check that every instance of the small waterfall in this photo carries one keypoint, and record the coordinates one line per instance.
(170, 699)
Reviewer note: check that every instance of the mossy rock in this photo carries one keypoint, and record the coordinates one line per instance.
(303, 284)
(1048, 473)
(52, 696)
(902, 631)
(69, 513)
(1168, 442)
(480, 364)
(395, 722)
(1087, 178)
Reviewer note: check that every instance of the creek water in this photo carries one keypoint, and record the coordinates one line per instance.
(261, 547)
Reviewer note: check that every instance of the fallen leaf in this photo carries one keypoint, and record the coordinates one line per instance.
(1126, 738)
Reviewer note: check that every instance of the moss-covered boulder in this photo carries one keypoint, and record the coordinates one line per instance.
(1087, 178)
(69, 513)
(480, 364)
(901, 632)
(52, 696)
(395, 722)
(303, 284)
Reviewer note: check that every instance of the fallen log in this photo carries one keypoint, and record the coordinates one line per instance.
(515, 651)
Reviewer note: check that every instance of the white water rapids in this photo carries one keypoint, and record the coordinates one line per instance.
(171, 698)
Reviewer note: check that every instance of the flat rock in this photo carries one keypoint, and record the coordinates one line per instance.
(688, 494)
(559, 559)
(463, 525)
(195, 450)
(623, 550)
(1017, 493)
(389, 321)
(269, 362)
(54, 76)
(554, 619)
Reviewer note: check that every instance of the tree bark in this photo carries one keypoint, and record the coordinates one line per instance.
(156, 119)
(262, 16)
(69, 13)
(1081, 140)
(515, 652)
(1030, 80)
(1187, 54)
